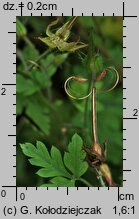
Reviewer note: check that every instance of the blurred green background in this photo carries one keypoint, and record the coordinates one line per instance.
(46, 113)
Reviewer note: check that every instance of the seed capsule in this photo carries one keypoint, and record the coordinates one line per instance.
(106, 173)
(97, 150)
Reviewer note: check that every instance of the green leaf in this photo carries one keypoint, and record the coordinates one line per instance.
(39, 116)
(41, 78)
(39, 155)
(20, 29)
(30, 53)
(53, 165)
(52, 62)
(61, 181)
(74, 159)
(56, 168)
(25, 86)
(20, 103)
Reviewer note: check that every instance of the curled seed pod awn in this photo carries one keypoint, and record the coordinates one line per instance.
(80, 80)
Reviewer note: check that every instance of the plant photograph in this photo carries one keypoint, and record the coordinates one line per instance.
(69, 101)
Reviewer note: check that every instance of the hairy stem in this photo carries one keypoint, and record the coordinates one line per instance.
(94, 116)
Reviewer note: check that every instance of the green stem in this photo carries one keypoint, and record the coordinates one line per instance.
(94, 116)
(100, 178)
(39, 58)
(88, 184)
(27, 40)
(22, 59)
(49, 93)
(86, 114)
